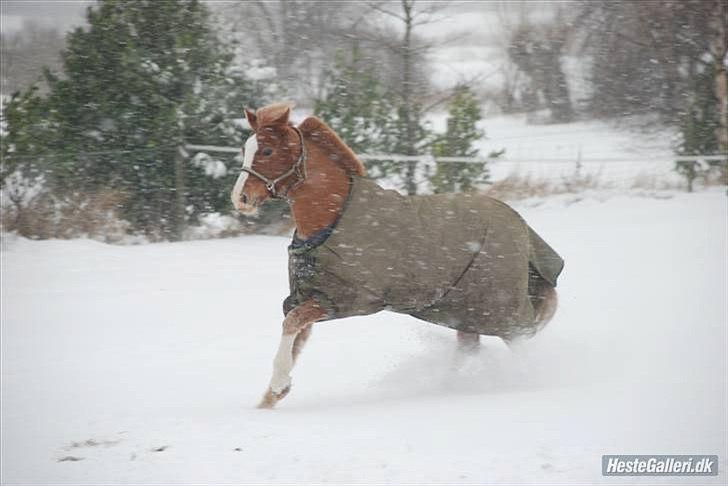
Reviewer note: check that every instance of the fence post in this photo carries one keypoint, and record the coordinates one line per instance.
(179, 187)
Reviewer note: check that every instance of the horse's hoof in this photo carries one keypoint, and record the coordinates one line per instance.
(271, 398)
(469, 348)
(266, 402)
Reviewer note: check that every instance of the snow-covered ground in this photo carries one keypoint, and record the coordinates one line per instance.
(143, 364)
(619, 154)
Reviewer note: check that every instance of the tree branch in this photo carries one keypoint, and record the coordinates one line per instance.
(478, 78)
(375, 6)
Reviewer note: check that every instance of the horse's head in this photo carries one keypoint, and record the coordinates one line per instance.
(273, 158)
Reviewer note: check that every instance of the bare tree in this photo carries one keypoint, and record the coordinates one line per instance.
(298, 38)
(646, 54)
(512, 95)
(537, 50)
(410, 89)
(719, 50)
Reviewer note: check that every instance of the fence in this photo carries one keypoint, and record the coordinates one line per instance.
(480, 160)
(620, 170)
(614, 171)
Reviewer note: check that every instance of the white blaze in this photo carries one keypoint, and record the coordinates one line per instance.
(251, 146)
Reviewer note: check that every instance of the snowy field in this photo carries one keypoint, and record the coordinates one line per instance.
(143, 364)
(617, 156)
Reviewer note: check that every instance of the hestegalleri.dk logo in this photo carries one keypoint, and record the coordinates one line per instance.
(659, 465)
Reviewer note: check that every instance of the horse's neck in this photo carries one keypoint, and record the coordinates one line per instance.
(317, 202)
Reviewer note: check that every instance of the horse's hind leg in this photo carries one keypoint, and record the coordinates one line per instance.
(296, 329)
(468, 342)
(547, 301)
(544, 300)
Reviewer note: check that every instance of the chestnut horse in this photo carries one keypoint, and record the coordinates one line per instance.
(312, 169)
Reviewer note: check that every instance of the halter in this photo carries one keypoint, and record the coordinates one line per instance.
(298, 169)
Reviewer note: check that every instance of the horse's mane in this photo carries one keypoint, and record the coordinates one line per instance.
(323, 136)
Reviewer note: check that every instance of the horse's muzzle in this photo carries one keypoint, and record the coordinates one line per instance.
(245, 208)
(246, 205)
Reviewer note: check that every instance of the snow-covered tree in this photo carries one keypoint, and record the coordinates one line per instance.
(355, 105)
(144, 79)
(698, 128)
(358, 107)
(458, 139)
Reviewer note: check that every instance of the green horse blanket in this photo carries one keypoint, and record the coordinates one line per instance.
(459, 260)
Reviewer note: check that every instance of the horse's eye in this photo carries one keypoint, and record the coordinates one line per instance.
(267, 151)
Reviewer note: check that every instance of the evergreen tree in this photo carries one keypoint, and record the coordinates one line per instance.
(458, 139)
(26, 134)
(356, 106)
(140, 82)
(699, 126)
(365, 115)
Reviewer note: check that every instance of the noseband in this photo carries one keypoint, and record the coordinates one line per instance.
(298, 169)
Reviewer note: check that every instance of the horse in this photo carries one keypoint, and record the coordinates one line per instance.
(464, 261)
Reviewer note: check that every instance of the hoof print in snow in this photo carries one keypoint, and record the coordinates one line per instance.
(86, 443)
(70, 459)
(93, 443)
(160, 449)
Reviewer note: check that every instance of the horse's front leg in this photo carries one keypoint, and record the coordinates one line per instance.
(296, 328)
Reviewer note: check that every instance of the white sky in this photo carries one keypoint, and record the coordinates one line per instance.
(62, 14)
(66, 14)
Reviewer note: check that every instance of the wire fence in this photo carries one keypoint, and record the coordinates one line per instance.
(621, 170)
(423, 158)
(613, 168)
(608, 170)
(482, 160)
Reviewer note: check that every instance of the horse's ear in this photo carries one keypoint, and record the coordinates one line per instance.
(278, 114)
(252, 119)
(275, 114)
